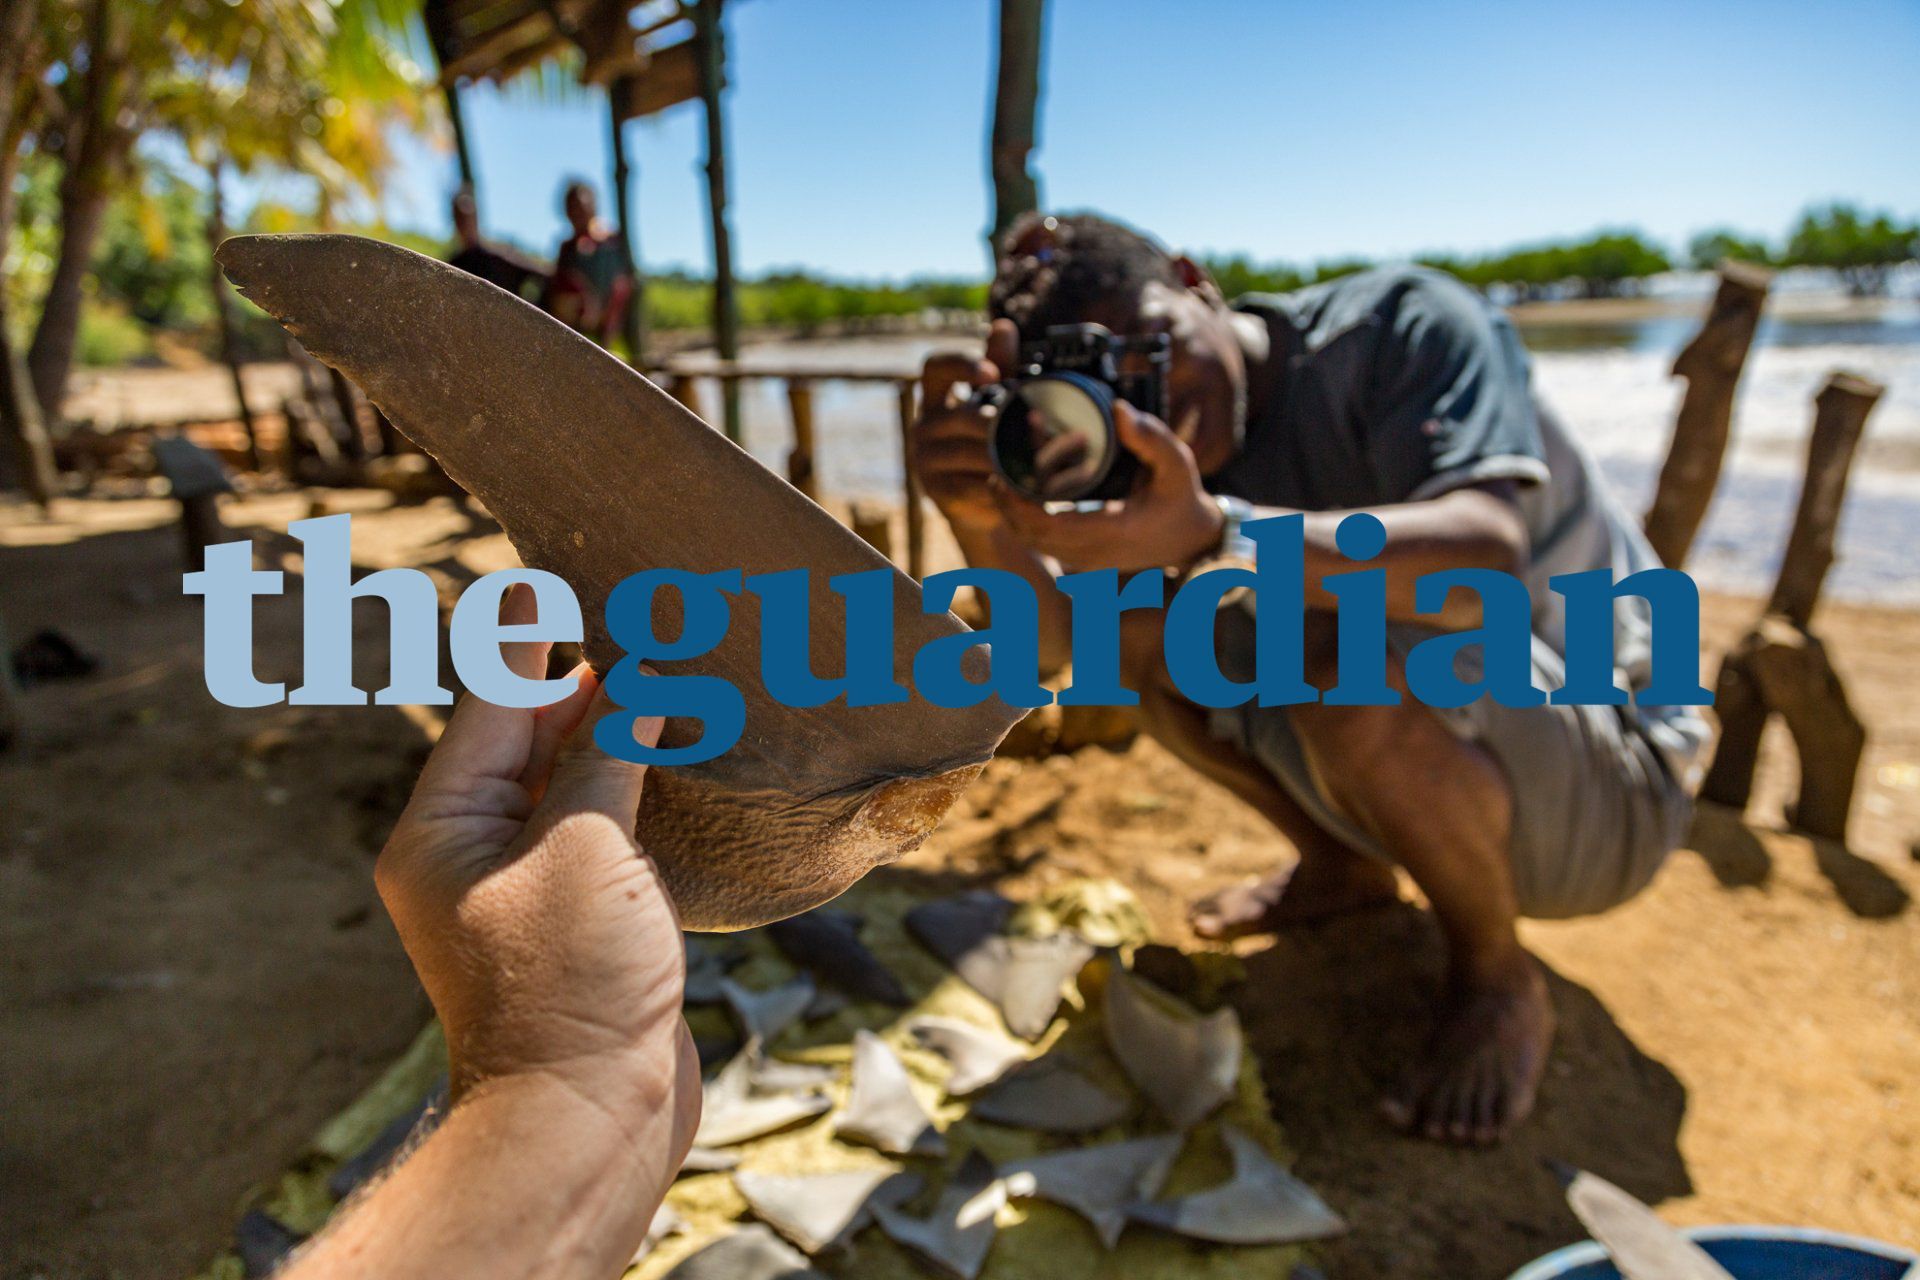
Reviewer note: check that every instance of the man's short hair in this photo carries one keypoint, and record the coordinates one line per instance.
(1054, 268)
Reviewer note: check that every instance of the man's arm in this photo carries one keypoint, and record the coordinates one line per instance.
(552, 954)
(1473, 527)
(949, 455)
(1170, 521)
(526, 1178)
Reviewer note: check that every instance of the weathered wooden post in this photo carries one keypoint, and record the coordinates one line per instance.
(462, 151)
(347, 397)
(800, 472)
(1780, 665)
(11, 717)
(633, 322)
(916, 518)
(1711, 364)
(1016, 99)
(684, 388)
(197, 479)
(710, 32)
(229, 351)
(873, 522)
(391, 441)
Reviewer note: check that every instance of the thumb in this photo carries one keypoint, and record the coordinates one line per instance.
(587, 779)
(1003, 346)
(1149, 439)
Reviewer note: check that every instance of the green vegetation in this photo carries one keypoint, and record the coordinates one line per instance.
(1862, 247)
(1711, 248)
(1601, 266)
(151, 269)
(804, 303)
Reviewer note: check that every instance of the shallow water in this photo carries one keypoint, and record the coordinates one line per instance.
(1610, 382)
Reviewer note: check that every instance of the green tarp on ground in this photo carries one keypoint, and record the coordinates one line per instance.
(1035, 1239)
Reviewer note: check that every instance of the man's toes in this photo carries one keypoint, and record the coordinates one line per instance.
(1208, 920)
(1444, 1114)
(1489, 1109)
(1406, 1102)
(1231, 912)
(1518, 1093)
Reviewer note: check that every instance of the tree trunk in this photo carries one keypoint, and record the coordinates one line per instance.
(26, 460)
(98, 140)
(26, 455)
(50, 358)
(1015, 100)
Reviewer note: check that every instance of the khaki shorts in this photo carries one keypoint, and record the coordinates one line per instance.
(1595, 809)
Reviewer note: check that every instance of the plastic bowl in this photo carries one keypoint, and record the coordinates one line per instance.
(1750, 1253)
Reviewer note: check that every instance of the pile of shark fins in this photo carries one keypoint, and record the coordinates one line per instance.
(1159, 1076)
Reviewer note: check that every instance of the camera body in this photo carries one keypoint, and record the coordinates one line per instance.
(1054, 438)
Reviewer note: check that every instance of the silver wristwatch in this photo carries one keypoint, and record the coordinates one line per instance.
(1234, 512)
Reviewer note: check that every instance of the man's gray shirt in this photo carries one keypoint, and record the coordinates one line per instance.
(1401, 384)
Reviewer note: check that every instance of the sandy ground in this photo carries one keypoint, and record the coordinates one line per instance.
(197, 972)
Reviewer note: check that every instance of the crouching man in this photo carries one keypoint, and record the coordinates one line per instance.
(1400, 393)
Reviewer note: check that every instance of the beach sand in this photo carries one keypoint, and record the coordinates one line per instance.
(198, 971)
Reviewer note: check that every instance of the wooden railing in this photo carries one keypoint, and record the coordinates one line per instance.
(681, 381)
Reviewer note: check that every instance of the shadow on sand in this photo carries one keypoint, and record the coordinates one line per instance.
(1739, 858)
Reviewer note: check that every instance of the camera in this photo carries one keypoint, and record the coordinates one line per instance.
(1053, 438)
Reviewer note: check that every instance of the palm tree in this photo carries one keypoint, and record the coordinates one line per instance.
(26, 457)
(305, 84)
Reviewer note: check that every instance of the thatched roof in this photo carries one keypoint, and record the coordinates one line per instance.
(642, 48)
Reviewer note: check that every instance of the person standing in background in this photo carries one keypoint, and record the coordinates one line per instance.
(592, 279)
(496, 264)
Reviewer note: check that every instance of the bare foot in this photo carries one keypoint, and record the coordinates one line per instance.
(1314, 888)
(1478, 1074)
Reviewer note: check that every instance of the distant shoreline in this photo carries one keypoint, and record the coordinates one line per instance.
(1798, 306)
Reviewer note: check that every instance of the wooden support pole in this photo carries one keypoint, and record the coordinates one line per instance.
(347, 398)
(1781, 666)
(461, 150)
(873, 522)
(916, 518)
(11, 716)
(200, 527)
(710, 31)
(633, 322)
(686, 389)
(1840, 415)
(391, 441)
(1711, 364)
(223, 315)
(800, 472)
(1016, 101)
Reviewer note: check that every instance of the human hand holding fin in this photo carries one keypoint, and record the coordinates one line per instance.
(597, 475)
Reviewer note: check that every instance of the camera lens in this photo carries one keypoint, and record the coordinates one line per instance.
(1054, 439)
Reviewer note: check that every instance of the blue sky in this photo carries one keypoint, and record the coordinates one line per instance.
(1288, 130)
